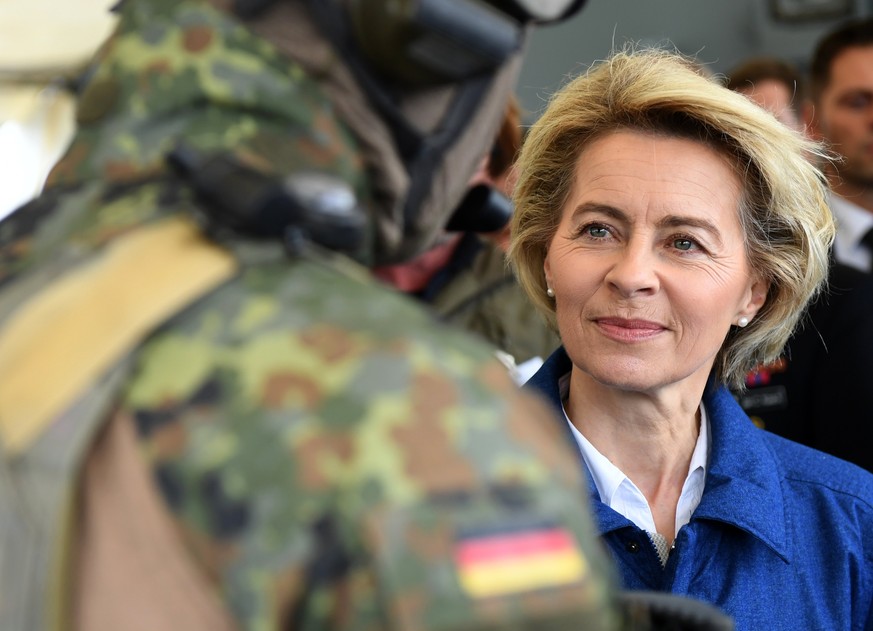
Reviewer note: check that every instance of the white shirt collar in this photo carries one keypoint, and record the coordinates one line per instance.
(853, 222)
(619, 493)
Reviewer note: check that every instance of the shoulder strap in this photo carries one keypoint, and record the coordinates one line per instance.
(63, 359)
(70, 332)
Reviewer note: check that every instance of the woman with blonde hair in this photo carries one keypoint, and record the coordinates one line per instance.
(673, 233)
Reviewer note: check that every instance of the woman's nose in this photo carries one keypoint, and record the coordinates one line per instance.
(633, 270)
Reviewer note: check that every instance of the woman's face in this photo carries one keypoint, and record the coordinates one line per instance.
(648, 265)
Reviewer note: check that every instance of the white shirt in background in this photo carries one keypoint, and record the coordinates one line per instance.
(853, 222)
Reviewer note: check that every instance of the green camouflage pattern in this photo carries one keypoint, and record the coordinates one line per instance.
(174, 67)
(485, 299)
(175, 70)
(322, 443)
(299, 400)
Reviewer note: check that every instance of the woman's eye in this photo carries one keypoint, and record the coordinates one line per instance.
(685, 244)
(598, 232)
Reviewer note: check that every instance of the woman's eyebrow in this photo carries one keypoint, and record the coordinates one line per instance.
(604, 209)
(682, 221)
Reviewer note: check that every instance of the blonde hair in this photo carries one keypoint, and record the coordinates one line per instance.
(783, 207)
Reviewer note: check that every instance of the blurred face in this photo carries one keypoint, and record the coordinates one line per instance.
(775, 97)
(844, 114)
(648, 264)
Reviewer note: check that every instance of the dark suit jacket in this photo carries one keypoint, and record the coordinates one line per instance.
(822, 394)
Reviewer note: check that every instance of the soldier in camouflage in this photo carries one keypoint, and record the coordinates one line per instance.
(212, 419)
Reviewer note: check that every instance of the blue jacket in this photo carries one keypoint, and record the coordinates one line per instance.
(782, 538)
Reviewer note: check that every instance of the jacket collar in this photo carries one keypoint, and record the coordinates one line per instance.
(743, 480)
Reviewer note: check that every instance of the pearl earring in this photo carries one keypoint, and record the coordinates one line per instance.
(550, 292)
(743, 321)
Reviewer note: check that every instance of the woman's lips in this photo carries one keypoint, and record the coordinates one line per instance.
(629, 330)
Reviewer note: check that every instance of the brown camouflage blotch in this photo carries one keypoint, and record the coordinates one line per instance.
(120, 170)
(363, 589)
(213, 556)
(432, 394)
(430, 546)
(65, 170)
(167, 403)
(398, 346)
(323, 153)
(312, 453)
(544, 600)
(19, 248)
(409, 607)
(159, 67)
(342, 604)
(432, 460)
(254, 161)
(169, 441)
(546, 440)
(286, 587)
(491, 610)
(318, 153)
(329, 343)
(280, 386)
(197, 39)
(145, 80)
(494, 375)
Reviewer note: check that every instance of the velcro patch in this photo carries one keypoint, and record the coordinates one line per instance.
(502, 563)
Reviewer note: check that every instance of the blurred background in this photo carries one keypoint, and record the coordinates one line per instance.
(720, 33)
(43, 44)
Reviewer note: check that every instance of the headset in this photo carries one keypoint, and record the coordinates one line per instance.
(427, 42)
(392, 47)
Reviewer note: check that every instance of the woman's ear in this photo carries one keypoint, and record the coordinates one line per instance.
(757, 298)
(547, 272)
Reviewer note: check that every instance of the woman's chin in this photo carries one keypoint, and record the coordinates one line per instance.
(627, 376)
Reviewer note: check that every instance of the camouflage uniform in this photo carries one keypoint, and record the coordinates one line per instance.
(328, 456)
(483, 297)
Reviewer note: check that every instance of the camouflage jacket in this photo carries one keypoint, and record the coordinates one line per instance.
(340, 460)
(483, 297)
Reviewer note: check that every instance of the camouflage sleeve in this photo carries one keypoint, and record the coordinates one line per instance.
(338, 460)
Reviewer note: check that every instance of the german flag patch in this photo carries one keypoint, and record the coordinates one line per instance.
(505, 561)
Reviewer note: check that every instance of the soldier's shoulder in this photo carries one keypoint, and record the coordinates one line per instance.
(68, 223)
(20, 232)
(330, 325)
(301, 408)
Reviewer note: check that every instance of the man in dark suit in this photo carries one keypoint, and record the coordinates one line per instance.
(839, 112)
(820, 392)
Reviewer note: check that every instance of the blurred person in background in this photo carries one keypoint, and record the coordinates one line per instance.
(774, 84)
(839, 112)
(832, 349)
